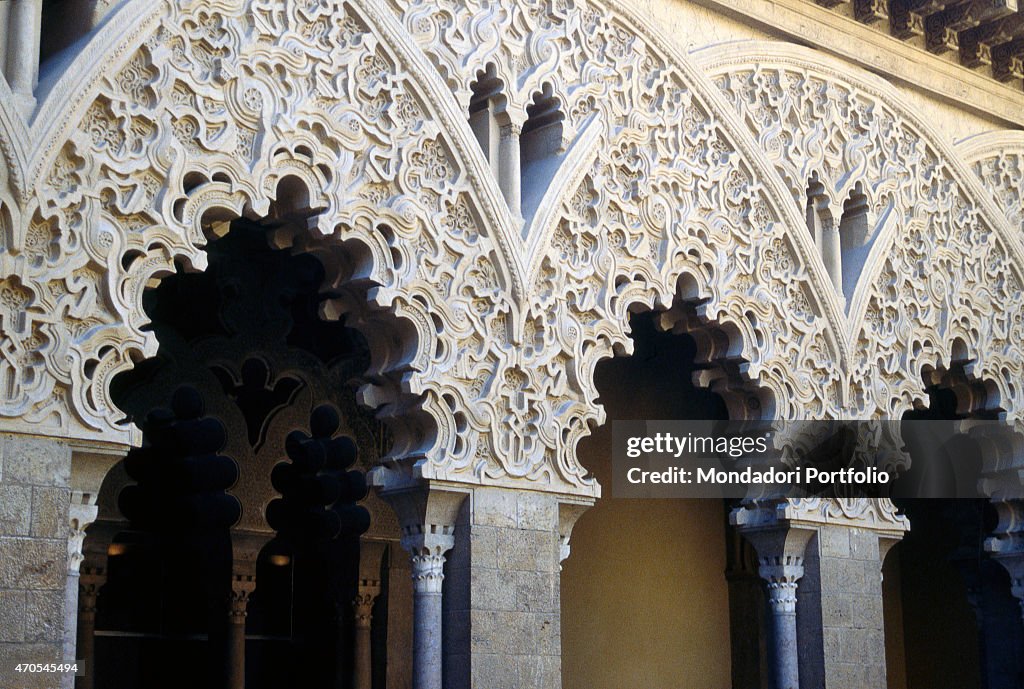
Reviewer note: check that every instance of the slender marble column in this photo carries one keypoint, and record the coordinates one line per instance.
(92, 577)
(781, 575)
(5, 12)
(427, 515)
(427, 555)
(246, 546)
(242, 586)
(832, 255)
(509, 168)
(81, 514)
(24, 24)
(780, 550)
(363, 606)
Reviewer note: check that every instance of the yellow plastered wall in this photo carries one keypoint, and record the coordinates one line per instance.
(644, 597)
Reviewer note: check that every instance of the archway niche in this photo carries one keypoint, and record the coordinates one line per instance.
(643, 593)
(239, 546)
(951, 619)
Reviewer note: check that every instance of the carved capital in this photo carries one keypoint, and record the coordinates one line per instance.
(428, 572)
(782, 596)
(90, 582)
(780, 547)
(427, 514)
(781, 574)
(242, 587)
(509, 131)
(366, 596)
(427, 545)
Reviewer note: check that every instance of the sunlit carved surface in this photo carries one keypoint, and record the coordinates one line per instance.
(485, 328)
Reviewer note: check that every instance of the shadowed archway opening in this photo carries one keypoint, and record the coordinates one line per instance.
(951, 619)
(243, 521)
(644, 598)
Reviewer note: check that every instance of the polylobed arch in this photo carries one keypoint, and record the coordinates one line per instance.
(978, 552)
(509, 331)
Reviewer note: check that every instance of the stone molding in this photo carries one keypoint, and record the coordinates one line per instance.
(872, 514)
(997, 158)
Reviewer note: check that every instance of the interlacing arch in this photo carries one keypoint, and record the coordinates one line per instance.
(939, 265)
(348, 124)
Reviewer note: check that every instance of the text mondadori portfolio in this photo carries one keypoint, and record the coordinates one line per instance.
(750, 476)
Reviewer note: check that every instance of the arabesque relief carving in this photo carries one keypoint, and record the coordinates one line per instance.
(348, 120)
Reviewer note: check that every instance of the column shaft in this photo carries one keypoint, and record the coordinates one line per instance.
(832, 255)
(5, 12)
(89, 590)
(786, 665)
(81, 514)
(24, 26)
(509, 169)
(363, 659)
(71, 620)
(241, 589)
(236, 654)
(427, 576)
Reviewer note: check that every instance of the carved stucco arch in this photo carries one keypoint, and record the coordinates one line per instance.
(945, 270)
(196, 94)
(173, 122)
(507, 342)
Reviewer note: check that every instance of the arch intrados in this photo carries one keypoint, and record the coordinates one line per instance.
(723, 345)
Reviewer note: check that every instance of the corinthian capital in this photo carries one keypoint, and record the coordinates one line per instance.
(428, 572)
(427, 514)
(781, 581)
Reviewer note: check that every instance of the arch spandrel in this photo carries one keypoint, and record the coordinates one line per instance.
(997, 158)
(945, 265)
